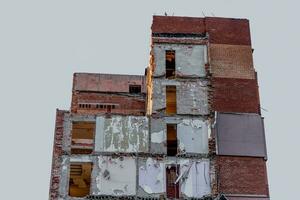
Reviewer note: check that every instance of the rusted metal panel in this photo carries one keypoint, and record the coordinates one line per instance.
(189, 59)
(240, 134)
(122, 134)
(107, 82)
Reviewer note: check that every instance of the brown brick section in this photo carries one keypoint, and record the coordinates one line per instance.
(220, 30)
(231, 61)
(56, 155)
(228, 31)
(235, 95)
(242, 175)
(125, 104)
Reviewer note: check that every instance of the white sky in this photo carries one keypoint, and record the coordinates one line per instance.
(43, 42)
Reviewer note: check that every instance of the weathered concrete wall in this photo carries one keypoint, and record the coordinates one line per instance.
(191, 96)
(193, 177)
(116, 176)
(192, 134)
(122, 134)
(190, 60)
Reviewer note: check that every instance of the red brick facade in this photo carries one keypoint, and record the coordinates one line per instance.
(235, 95)
(242, 175)
(56, 155)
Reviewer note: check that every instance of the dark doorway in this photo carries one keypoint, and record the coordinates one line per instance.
(170, 64)
(172, 172)
(171, 139)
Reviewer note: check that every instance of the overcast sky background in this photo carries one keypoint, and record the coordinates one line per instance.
(42, 43)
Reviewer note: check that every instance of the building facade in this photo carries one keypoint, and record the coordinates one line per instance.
(190, 128)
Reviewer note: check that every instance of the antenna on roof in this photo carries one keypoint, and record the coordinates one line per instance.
(203, 14)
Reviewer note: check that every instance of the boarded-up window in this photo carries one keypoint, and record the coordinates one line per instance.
(172, 172)
(82, 137)
(171, 100)
(171, 139)
(80, 179)
(170, 64)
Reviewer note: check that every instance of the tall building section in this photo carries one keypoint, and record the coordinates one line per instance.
(190, 128)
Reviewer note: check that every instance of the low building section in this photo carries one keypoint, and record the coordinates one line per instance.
(108, 93)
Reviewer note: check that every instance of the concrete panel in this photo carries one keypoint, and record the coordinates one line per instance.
(116, 176)
(158, 136)
(122, 134)
(193, 176)
(189, 59)
(195, 179)
(192, 136)
(240, 135)
(192, 96)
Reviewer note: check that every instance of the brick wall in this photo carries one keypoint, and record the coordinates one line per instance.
(242, 175)
(235, 95)
(231, 61)
(56, 155)
(125, 104)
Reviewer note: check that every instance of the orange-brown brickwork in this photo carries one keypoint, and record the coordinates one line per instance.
(231, 61)
(242, 175)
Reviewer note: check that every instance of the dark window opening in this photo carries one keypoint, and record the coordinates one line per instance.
(170, 64)
(82, 141)
(171, 139)
(135, 89)
(172, 172)
(171, 100)
(80, 179)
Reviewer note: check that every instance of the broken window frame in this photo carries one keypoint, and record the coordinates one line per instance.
(87, 179)
(83, 148)
(171, 100)
(172, 182)
(170, 62)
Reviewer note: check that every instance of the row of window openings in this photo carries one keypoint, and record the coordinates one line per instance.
(97, 106)
(80, 180)
(83, 138)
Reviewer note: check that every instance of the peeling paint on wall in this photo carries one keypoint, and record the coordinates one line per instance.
(116, 176)
(192, 96)
(195, 179)
(190, 59)
(192, 134)
(194, 176)
(122, 134)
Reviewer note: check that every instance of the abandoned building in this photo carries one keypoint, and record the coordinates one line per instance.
(189, 128)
